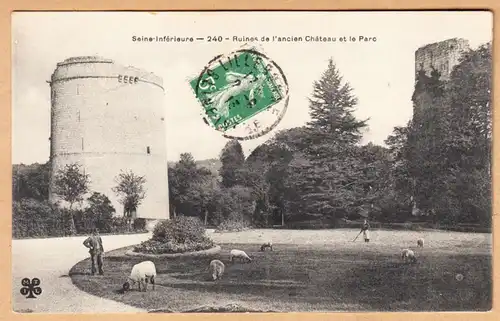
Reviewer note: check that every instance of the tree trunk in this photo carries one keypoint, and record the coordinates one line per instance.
(72, 221)
(206, 217)
(282, 218)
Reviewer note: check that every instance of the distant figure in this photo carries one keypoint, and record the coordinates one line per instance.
(365, 228)
(94, 244)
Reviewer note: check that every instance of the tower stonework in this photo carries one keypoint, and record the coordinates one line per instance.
(107, 118)
(443, 56)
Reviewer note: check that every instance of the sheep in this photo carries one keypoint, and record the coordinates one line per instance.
(141, 273)
(266, 245)
(420, 242)
(408, 255)
(239, 254)
(216, 269)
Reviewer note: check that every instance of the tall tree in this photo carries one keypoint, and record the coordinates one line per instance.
(424, 154)
(98, 214)
(71, 184)
(400, 179)
(131, 192)
(268, 165)
(469, 91)
(191, 187)
(31, 181)
(327, 183)
(332, 105)
(232, 159)
(254, 176)
(448, 142)
(468, 145)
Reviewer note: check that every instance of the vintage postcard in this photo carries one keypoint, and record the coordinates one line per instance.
(251, 161)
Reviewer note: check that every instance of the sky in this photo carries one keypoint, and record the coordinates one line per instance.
(381, 73)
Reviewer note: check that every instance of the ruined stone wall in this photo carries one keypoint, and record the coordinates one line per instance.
(442, 55)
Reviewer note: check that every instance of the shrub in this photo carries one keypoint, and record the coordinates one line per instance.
(119, 225)
(181, 229)
(139, 224)
(178, 235)
(158, 247)
(32, 218)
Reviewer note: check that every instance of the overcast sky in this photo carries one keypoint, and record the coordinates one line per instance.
(381, 73)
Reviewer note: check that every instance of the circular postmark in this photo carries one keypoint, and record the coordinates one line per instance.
(243, 94)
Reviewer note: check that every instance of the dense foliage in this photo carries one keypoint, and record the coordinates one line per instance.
(71, 184)
(435, 169)
(179, 234)
(34, 216)
(30, 181)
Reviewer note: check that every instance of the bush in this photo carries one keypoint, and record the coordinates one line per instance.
(139, 224)
(181, 229)
(33, 218)
(119, 225)
(178, 235)
(98, 214)
(158, 247)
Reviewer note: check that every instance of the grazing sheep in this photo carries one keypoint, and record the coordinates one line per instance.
(141, 273)
(408, 255)
(266, 245)
(420, 242)
(216, 269)
(240, 255)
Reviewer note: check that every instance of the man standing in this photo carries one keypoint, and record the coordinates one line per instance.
(365, 228)
(94, 244)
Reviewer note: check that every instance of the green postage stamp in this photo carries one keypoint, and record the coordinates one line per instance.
(235, 89)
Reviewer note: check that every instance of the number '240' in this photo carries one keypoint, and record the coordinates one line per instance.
(214, 38)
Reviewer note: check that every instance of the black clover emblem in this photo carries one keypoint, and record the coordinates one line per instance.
(31, 288)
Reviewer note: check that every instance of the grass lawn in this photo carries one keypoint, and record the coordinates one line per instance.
(314, 271)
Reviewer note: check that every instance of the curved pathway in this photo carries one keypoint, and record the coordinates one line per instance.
(50, 260)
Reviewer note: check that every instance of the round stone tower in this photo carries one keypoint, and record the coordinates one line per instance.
(108, 118)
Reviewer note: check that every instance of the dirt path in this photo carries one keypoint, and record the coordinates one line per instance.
(50, 260)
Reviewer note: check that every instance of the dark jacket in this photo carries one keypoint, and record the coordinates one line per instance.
(365, 227)
(94, 243)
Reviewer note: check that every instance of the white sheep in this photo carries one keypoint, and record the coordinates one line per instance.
(216, 269)
(266, 245)
(240, 255)
(408, 255)
(141, 273)
(420, 242)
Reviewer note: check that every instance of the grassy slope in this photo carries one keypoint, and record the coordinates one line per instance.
(325, 273)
